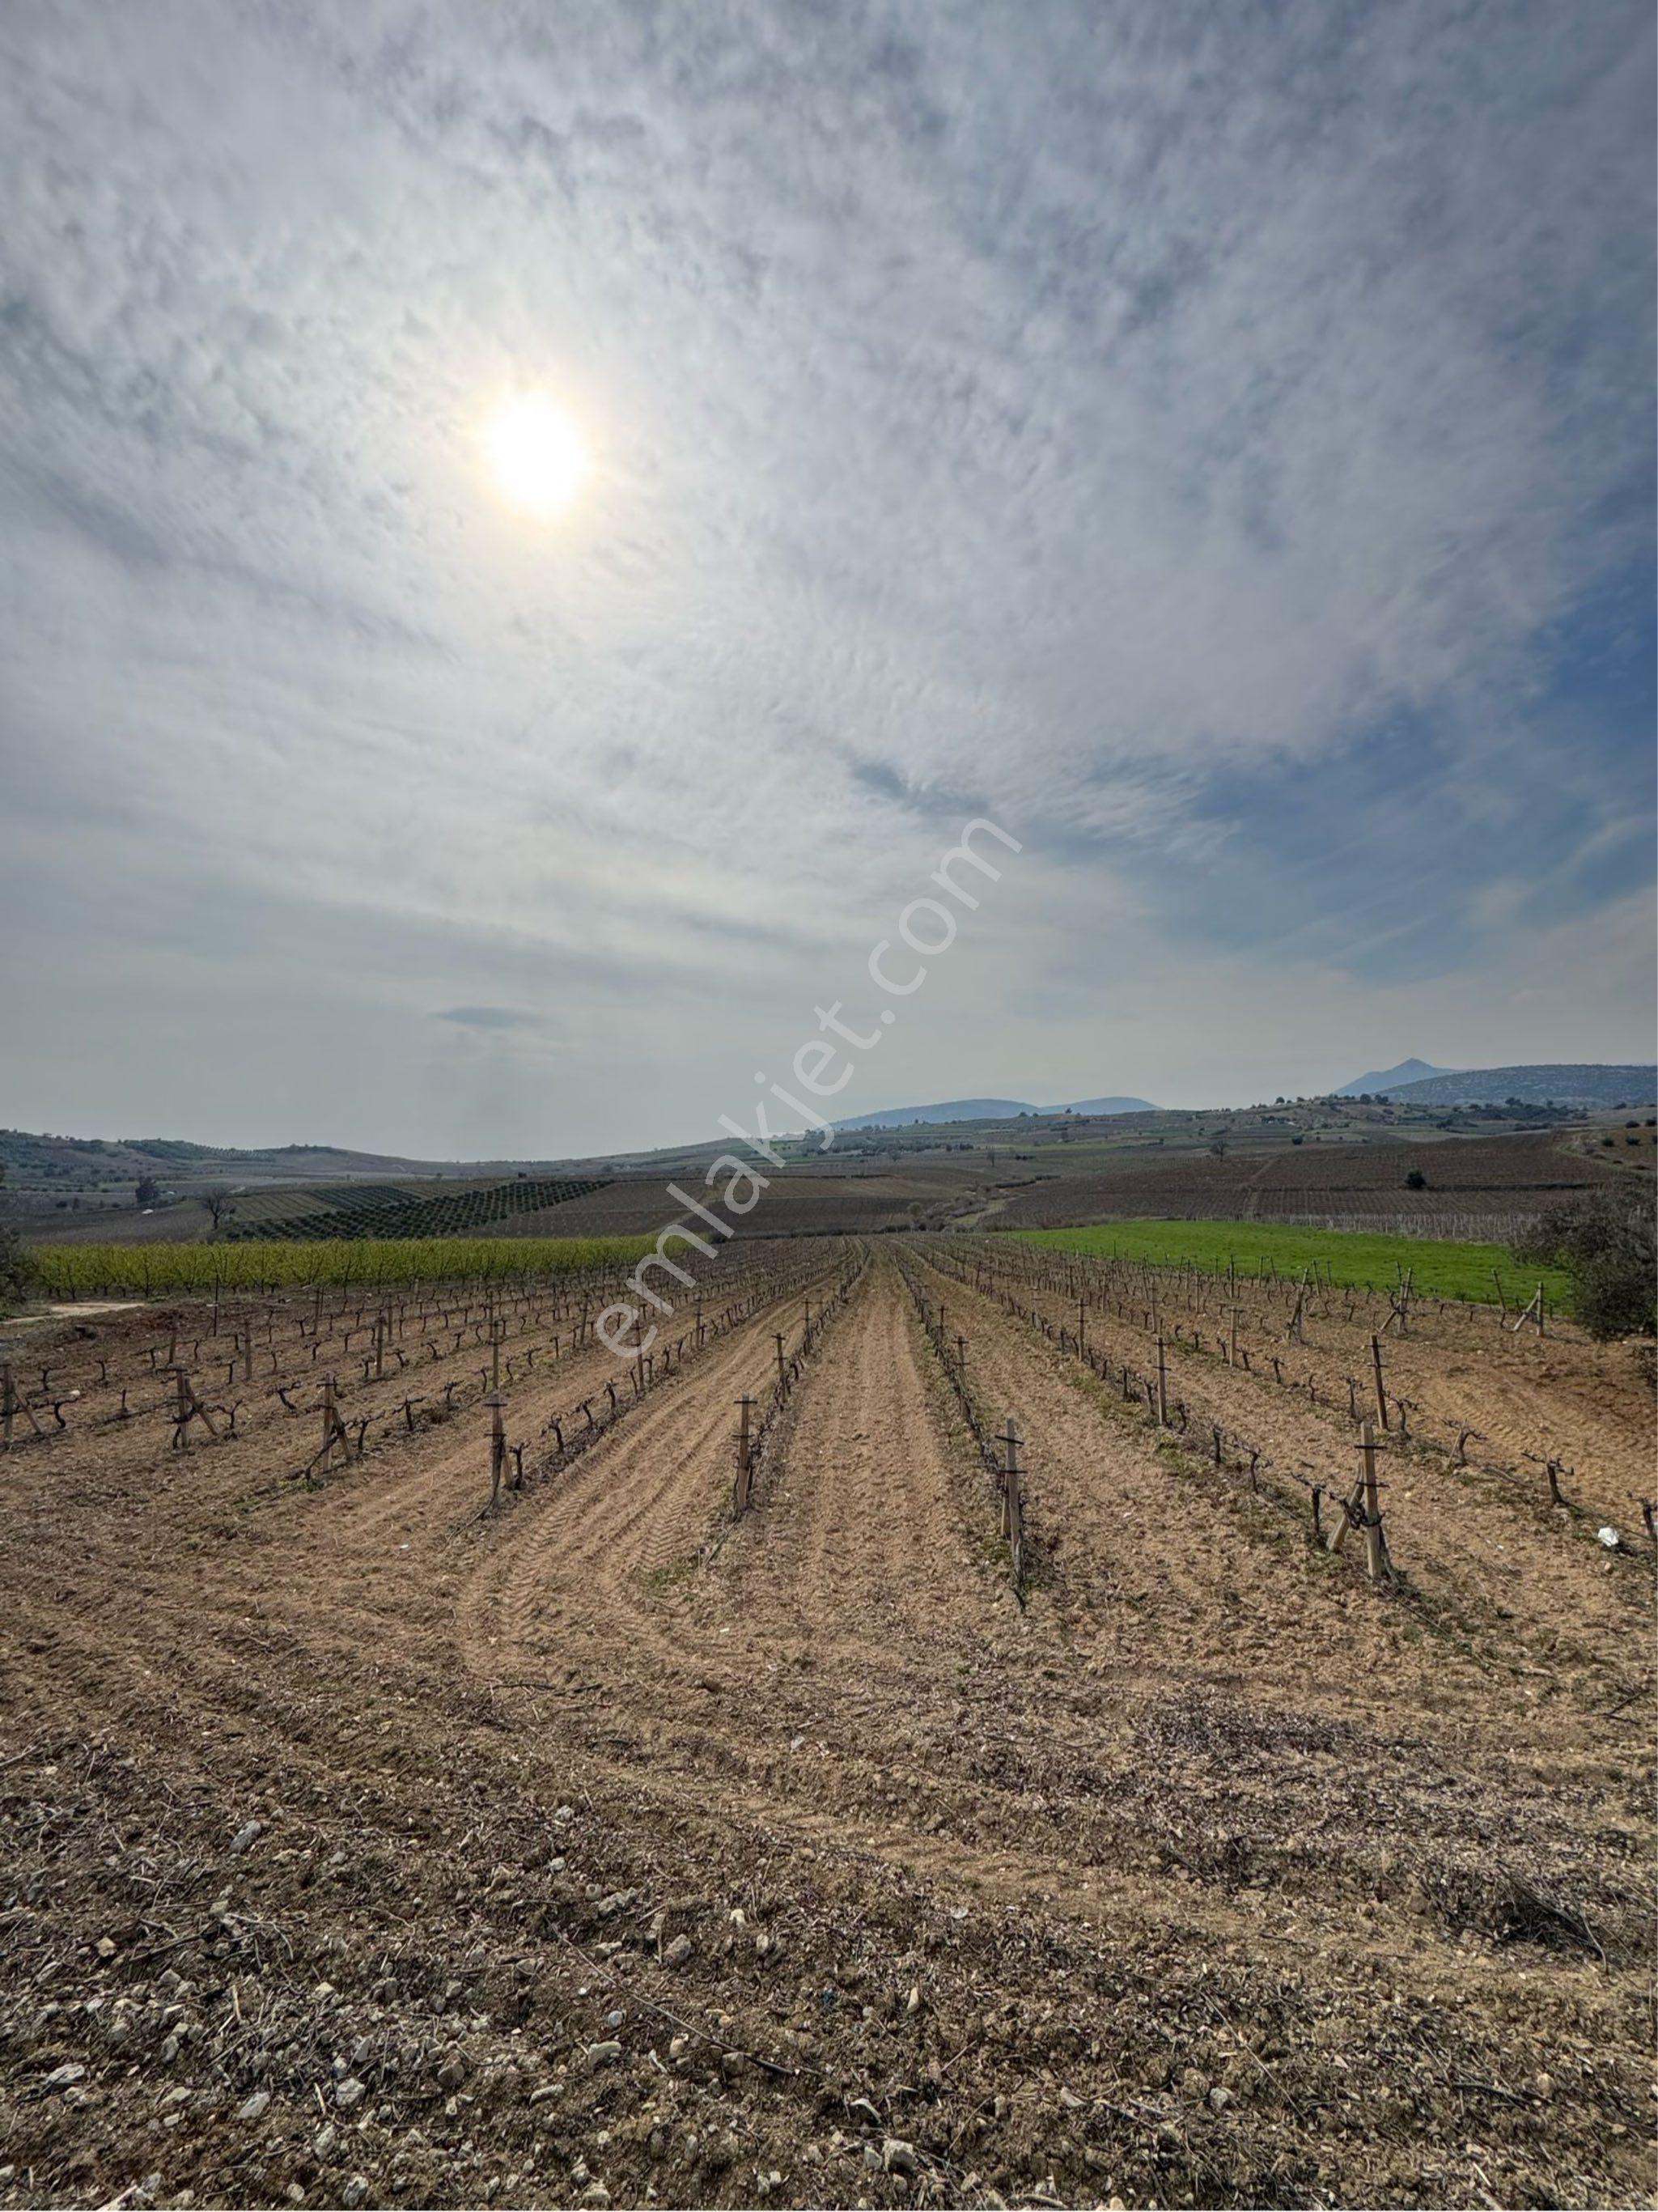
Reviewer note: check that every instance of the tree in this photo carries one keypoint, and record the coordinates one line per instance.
(1606, 1241)
(217, 1202)
(1416, 1180)
(17, 1266)
(148, 1192)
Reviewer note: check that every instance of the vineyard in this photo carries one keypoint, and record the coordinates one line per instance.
(389, 1211)
(951, 1721)
(165, 1271)
(1489, 1187)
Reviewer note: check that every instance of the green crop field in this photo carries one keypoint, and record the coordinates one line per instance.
(1437, 1267)
(88, 1271)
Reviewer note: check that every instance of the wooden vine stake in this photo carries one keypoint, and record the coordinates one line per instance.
(1375, 1544)
(1013, 1502)
(1350, 1513)
(333, 1429)
(1533, 1311)
(1399, 1304)
(1363, 1509)
(188, 1407)
(745, 1455)
(496, 1403)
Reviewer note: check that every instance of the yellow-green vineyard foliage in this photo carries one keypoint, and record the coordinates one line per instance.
(89, 1271)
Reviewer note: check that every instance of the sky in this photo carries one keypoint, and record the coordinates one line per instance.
(1213, 443)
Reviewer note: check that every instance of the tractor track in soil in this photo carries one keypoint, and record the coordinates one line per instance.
(1495, 1568)
(1204, 1811)
(1142, 1550)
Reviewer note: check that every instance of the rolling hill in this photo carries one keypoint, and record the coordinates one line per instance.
(950, 1109)
(989, 1109)
(1560, 1083)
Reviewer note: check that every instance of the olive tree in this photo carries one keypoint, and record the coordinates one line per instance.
(17, 1266)
(1607, 1243)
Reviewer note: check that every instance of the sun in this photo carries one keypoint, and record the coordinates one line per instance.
(537, 454)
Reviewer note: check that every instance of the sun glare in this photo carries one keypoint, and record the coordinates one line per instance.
(537, 454)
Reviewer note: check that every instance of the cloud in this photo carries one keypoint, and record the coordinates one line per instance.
(488, 1018)
(1216, 442)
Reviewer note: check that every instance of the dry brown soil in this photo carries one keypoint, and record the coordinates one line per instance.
(609, 1851)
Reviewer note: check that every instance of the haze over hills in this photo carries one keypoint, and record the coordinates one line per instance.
(28, 1158)
(1384, 1079)
(1535, 1083)
(1104, 1106)
(1558, 1082)
(35, 1169)
(950, 1109)
(988, 1109)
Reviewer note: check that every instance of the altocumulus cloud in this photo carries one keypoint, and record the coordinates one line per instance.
(1217, 439)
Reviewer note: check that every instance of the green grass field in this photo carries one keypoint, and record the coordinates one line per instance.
(1442, 1268)
(90, 1271)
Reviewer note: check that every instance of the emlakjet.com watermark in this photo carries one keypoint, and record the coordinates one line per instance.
(927, 929)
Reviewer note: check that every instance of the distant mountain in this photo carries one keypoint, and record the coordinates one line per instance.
(1562, 1083)
(952, 1109)
(1104, 1106)
(1390, 1079)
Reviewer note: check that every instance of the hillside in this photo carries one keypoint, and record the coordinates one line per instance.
(989, 1109)
(50, 1165)
(1387, 1078)
(1559, 1082)
(951, 1109)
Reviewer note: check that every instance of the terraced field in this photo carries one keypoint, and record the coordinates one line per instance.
(368, 1846)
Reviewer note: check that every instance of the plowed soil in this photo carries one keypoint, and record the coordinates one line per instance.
(361, 1846)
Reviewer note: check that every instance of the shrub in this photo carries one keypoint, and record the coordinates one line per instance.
(17, 1268)
(1608, 1243)
(1416, 1180)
